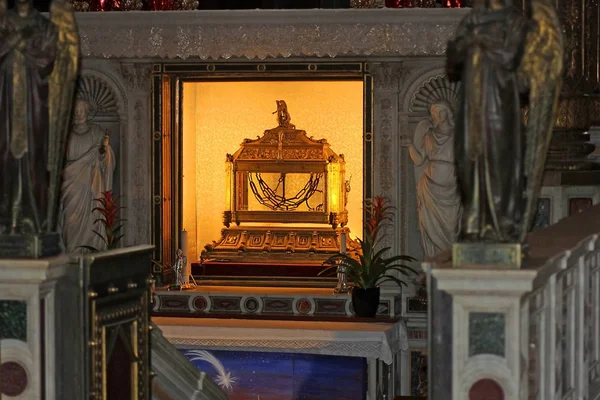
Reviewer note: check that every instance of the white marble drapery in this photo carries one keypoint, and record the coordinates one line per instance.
(87, 174)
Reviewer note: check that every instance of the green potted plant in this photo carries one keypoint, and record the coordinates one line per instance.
(369, 266)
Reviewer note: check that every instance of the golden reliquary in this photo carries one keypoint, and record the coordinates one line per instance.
(286, 198)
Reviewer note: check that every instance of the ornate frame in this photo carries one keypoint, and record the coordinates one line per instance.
(116, 305)
(167, 83)
(110, 323)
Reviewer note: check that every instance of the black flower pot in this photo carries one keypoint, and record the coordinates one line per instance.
(365, 301)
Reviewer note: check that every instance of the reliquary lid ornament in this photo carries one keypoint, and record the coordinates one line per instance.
(285, 143)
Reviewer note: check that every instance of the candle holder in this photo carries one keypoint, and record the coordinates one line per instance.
(342, 280)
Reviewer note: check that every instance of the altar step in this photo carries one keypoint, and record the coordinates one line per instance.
(266, 303)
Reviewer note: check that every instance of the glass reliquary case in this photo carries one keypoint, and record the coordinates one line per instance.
(286, 198)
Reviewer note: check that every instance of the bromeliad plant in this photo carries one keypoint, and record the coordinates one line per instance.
(369, 266)
(109, 210)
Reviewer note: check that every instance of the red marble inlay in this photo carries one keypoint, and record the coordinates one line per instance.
(200, 303)
(303, 306)
(486, 389)
(578, 204)
(13, 379)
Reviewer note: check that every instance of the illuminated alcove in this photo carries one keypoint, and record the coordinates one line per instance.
(216, 117)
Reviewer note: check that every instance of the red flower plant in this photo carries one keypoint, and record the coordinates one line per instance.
(109, 210)
(370, 267)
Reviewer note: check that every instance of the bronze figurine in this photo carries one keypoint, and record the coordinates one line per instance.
(283, 116)
(506, 60)
(39, 61)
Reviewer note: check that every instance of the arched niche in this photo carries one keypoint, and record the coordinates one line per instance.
(437, 87)
(108, 113)
(434, 220)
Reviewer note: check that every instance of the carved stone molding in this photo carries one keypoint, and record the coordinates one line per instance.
(434, 89)
(387, 76)
(140, 183)
(386, 160)
(137, 76)
(104, 74)
(261, 34)
(98, 93)
(416, 78)
(401, 234)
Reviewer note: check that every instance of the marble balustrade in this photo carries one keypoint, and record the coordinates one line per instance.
(532, 333)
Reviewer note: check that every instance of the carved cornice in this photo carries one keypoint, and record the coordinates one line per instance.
(261, 34)
(137, 76)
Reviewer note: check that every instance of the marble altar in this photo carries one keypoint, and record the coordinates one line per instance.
(378, 343)
(401, 49)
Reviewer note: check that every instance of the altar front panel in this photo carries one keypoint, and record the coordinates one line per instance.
(245, 375)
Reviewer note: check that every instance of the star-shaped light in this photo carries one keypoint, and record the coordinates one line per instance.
(225, 380)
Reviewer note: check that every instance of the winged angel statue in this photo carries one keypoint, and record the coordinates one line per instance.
(39, 63)
(507, 60)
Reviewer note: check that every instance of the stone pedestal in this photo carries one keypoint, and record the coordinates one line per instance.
(483, 330)
(65, 323)
(28, 315)
(520, 333)
(30, 246)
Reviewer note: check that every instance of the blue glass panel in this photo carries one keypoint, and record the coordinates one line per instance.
(282, 376)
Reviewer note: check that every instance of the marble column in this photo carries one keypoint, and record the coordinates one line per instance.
(389, 168)
(138, 197)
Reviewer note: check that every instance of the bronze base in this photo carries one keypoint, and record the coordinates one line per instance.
(488, 255)
(30, 246)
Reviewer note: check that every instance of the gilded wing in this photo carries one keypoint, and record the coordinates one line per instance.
(542, 71)
(62, 85)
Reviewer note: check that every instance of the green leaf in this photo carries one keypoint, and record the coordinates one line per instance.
(330, 269)
(403, 258)
(403, 267)
(117, 229)
(100, 236)
(386, 278)
(115, 242)
(90, 248)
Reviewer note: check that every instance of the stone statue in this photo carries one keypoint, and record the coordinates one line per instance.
(438, 200)
(490, 146)
(39, 62)
(505, 60)
(90, 164)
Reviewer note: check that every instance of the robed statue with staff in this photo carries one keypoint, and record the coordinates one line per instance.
(510, 64)
(39, 63)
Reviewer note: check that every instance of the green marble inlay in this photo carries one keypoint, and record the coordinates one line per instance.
(13, 320)
(486, 333)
